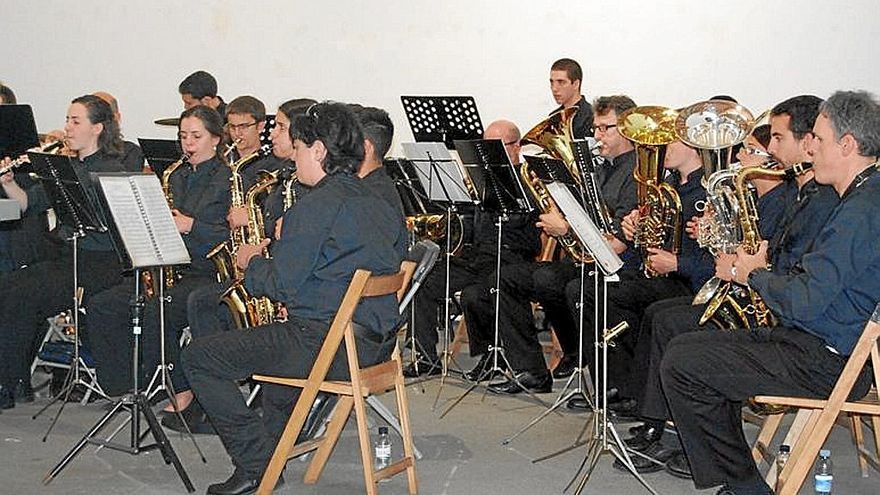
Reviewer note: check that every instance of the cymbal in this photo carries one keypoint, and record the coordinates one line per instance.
(172, 121)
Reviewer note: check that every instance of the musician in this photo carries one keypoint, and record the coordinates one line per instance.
(337, 228)
(200, 189)
(200, 88)
(378, 132)
(822, 304)
(806, 212)
(545, 282)
(7, 96)
(566, 78)
(473, 271)
(132, 156)
(30, 295)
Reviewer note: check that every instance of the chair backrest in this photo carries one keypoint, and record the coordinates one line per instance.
(425, 253)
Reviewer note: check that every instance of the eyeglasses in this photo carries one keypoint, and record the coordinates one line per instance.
(604, 128)
(239, 127)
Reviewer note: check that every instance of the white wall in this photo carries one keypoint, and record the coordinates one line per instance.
(659, 52)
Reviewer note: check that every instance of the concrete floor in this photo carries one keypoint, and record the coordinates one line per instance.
(463, 454)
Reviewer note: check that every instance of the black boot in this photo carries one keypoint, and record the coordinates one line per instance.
(22, 391)
(7, 401)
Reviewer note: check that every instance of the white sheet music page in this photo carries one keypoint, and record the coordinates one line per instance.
(585, 229)
(144, 220)
(438, 172)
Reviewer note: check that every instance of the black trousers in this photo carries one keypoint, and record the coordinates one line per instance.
(521, 283)
(214, 364)
(30, 295)
(205, 313)
(110, 336)
(708, 375)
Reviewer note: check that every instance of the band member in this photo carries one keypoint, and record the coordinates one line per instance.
(378, 132)
(566, 79)
(806, 213)
(30, 295)
(823, 304)
(7, 96)
(337, 228)
(473, 271)
(200, 88)
(200, 189)
(545, 282)
(132, 156)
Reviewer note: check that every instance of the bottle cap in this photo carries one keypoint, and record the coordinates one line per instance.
(383, 430)
(785, 448)
(824, 453)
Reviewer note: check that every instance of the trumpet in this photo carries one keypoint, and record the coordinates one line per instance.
(54, 148)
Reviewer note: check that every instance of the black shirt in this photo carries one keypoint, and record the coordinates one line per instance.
(132, 157)
(382, 186)
(582, 125)
(695, 264)
(808, 213)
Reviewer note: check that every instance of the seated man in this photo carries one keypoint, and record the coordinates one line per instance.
(822, 304)
(339, 227)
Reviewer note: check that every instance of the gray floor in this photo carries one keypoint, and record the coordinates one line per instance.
(462, 454)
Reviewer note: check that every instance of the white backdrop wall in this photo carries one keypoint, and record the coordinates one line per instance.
(668, 52)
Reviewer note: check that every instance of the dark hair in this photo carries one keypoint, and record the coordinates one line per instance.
(294, 107)
(199, 84)
(7, 95)
(99, 112)
(856, 113)
(618, 103)
(802, 110)
(210, 118)
(725, 98)
(571, 67)
(335, 125)
(762, 134)
(247, 105)
(377, 128)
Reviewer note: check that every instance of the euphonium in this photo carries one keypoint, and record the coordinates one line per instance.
(248, 311)
(714, 127)
(651, 128)
(733, 305)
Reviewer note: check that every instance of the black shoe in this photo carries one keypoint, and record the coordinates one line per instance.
(566, 367)
(637, 429)
(239, 484)
(427, 366)
(646, 438)
(657, 451)
(22, 391)
(577, 404)
(624, 409)
(195, 418)
(678, 466)
(539, 383)
(7, 400)
(482, 371)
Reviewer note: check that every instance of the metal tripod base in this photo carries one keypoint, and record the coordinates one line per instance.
(135, 405)
(72, 379)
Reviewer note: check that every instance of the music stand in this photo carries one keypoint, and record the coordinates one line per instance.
(444, 183)
(442, 118)
(145, 235)
(78, 216)
(18, 131)
(160, 153)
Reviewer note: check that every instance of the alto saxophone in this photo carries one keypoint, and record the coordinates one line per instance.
(248, 311)
(171, 274)
(740, 306)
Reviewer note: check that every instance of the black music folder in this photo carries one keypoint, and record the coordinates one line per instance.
(495, 179)
(442, 119)
(73, 206)
(141, 220)
(160, 153)
(18, 131)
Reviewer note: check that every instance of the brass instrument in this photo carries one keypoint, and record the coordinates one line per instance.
(289, 192)
(170, 274)
(714, 127)
(554, 136)
(733, 305)
(248, 311)
(651, 128)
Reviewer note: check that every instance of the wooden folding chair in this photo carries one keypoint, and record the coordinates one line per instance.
(364, 382)
(816, 417)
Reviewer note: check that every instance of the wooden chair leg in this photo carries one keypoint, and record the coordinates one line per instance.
(331, 437)
(460, 337)
(795, 432)
(858, 437)
(761, 449)
(405, 429)
(360, 413)
(802, 454)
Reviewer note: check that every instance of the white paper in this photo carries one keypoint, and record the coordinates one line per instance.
(438, 171)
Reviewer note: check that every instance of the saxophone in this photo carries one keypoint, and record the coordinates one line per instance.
(734, 305)
(248, 311)
(170, 274)
(651, 128)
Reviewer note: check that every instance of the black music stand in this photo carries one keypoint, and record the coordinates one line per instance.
(77, 215)
(442, 118)
(145, 236)
(160, 153)
(18, 131)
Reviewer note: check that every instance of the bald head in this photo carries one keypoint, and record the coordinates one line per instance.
(111, 100)
(509, 134)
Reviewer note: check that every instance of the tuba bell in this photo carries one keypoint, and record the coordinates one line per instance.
(714, 127)
(651, 128)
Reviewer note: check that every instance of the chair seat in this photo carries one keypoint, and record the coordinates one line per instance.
(867, 405)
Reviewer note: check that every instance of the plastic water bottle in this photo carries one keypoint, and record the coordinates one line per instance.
(823, 476)
(781, 458)
(383, 448)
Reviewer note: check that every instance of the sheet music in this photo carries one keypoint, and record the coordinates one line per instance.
(438, 172)
(144, 220)
(585, 229)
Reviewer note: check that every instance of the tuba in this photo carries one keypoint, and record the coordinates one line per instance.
(714, 127)
(651, 128)
(733, 305)
(554, 136)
